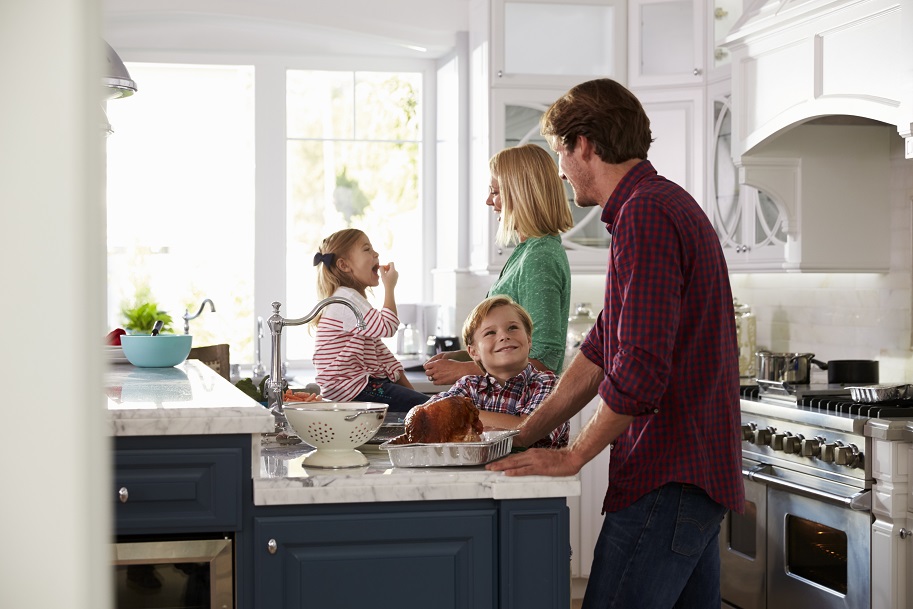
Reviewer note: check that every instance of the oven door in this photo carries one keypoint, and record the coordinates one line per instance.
(819, 550)
(743, 552)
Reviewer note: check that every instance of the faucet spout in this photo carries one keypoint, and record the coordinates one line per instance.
(275, 384)
(187, 316)
(258, 369)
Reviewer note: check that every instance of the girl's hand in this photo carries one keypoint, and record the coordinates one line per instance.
(388, 275)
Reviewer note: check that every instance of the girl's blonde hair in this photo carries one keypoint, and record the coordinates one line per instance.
(533, 200)
(329, 275)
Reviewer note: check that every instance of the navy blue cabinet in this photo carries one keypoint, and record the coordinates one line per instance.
(474, 554)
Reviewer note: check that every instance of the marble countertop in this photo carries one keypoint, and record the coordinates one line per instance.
(188, 399)
(192, 399)
(284, 478)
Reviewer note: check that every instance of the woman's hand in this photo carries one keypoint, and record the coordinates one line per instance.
(442, 370)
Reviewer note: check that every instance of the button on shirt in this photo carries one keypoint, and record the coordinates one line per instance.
(520, 395)
(666, 342)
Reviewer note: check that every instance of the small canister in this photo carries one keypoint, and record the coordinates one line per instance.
(746, 337)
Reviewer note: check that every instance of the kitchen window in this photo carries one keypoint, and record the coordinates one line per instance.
(354, 157)
(195, 207)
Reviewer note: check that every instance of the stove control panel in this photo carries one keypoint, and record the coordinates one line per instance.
(792, 444)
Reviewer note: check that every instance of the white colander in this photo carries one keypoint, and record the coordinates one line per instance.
(335, 429)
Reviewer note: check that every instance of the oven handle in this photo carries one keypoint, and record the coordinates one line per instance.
(861, 501)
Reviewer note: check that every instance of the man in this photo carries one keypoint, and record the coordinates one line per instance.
(663, 359)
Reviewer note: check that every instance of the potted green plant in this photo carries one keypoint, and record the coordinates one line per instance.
(141, 318)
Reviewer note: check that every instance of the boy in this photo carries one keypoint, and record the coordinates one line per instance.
(497, 335)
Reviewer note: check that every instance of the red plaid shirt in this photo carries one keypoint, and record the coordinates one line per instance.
(666, 341)
(521, 395)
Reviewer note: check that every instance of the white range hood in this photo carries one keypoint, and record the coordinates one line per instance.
(797, 60)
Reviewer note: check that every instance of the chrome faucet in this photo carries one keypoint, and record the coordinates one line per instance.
(275, 384)
(187, 316)
(258, 370)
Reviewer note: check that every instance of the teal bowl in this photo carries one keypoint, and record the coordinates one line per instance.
(162, 351)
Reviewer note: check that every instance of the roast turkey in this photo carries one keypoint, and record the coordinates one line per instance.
(451, 419)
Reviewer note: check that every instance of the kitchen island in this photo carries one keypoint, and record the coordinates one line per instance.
(192, 458)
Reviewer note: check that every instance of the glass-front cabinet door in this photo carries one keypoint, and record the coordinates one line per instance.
(751, 224)
(666, 42)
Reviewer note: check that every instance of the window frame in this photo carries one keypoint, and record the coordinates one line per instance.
(270, 140)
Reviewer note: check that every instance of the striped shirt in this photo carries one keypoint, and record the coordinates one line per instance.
(520, 395)
(345, 356)
(666, 342)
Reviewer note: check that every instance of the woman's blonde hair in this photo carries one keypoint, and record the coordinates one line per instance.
(329, 275)
(533, 200)
(481, 311)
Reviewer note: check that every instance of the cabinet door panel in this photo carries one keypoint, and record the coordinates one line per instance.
(178, 491)
(404, 560)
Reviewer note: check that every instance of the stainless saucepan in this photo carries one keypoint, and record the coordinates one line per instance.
(793, 368)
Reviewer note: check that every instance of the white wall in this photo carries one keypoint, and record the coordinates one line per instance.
(55, 522)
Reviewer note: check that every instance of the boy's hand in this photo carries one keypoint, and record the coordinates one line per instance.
(388, 275)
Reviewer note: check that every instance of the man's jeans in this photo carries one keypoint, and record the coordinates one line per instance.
(659, 553)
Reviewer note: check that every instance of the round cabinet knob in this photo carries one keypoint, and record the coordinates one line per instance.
(792, 444)
(272, 546)
(827, 452)
(776, 442)
(123, 494)
(761, 437)
(811, 447)
(697, 71)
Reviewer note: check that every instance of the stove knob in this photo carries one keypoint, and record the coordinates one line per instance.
(747, 433)
(761, 437)
(811, 447)
(827, 452)
(776, 442)
(792, 444)
(848, 456)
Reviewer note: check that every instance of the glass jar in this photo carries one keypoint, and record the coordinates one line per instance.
(578, 325)
(746, 338)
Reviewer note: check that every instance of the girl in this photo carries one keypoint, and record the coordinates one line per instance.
(354, 365)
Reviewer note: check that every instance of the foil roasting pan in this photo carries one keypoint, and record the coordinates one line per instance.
(493, 445)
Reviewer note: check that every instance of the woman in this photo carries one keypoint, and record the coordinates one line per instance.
(528, 195)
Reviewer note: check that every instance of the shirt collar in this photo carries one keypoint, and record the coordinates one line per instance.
(524, 377)
(623, 191)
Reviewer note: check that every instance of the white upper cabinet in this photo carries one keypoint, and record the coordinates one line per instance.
(667, 42)
(723, 16)
(556, 43)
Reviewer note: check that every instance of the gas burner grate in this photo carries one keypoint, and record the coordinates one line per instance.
(846, 405)
(750, 392)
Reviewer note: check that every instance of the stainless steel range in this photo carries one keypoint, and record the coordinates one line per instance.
(806, 534)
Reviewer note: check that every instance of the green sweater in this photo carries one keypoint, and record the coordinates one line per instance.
(537, 275)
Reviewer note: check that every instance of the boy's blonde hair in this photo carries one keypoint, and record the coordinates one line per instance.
(533, 200)
(474, 320)
(329, 275)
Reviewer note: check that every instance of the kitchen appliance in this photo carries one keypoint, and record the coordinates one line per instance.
(191, 573)
(439, 344)
(805, 538)
(578, 326)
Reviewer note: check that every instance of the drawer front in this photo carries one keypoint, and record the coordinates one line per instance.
(177, 491)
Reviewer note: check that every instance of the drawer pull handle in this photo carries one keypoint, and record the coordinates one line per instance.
(123, 494)
(272, 546)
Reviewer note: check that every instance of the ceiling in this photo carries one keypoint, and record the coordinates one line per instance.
(389, 28)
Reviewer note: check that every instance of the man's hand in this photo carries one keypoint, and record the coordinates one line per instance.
(538, 462)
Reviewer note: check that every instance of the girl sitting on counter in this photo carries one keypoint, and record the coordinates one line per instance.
(354, 365)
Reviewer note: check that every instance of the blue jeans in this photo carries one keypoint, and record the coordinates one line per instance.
(661, 552)
(385, 391)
